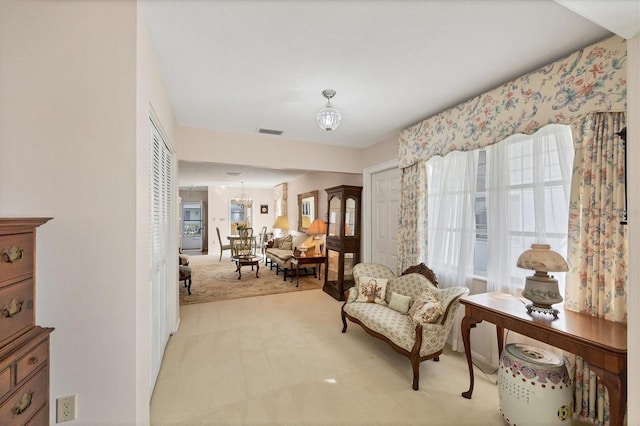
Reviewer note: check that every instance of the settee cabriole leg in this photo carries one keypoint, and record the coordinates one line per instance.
(344, 323)
(436, 358)
(415, 365)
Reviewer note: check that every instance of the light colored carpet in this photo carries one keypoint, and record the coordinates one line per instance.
(215, 280)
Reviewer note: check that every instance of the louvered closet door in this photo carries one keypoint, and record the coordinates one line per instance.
(163, 259)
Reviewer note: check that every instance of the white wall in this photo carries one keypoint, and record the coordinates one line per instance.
(381, 152)
(71, 140)
(266, 151)
(633, 179)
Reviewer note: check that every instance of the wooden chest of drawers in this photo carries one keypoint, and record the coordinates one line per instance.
(24, 346)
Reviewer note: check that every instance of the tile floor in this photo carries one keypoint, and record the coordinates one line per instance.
(282, 360)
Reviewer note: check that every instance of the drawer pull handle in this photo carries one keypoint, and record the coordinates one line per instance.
(12, 255)
(12, 309)
(23, 404)
(33, 360)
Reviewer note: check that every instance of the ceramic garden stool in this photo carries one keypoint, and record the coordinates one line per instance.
(534, 387)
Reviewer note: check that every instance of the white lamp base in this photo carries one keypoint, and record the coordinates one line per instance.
(542, 291)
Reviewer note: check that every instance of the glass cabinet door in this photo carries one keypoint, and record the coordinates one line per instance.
(350, 217)
(335, 215)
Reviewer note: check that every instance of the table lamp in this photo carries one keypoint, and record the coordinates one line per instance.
(541, 288)
(317, 228)
(281, 223)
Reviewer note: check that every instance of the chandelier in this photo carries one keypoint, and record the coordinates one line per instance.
(328, 117)
(243, 198)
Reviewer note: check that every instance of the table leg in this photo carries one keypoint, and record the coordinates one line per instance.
(467, 324)
(616, 384)
(500, 335)
(257, 268)
(297, 275)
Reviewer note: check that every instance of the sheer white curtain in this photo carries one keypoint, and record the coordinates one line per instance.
(451, 188)
(528, 186)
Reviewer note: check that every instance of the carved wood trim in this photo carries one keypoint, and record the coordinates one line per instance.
(424, 270)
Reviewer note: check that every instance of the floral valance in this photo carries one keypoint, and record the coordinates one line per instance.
(591, 79)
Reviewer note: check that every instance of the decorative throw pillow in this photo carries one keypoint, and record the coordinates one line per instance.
(372, 290)
(399, 302)
(287, 243)
(426, 309)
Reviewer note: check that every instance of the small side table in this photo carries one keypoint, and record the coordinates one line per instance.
(308, 259)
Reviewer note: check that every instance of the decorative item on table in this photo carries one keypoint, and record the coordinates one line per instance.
(317, 228)
(240, 226)
(541, 288)
(302, 250)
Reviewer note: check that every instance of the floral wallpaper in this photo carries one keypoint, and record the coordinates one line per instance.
(591, 79)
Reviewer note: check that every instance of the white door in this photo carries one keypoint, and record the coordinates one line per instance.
(385, 195)
(163, 222)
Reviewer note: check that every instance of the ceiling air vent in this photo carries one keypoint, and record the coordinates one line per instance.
(270, 131)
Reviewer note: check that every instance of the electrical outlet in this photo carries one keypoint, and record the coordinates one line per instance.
(65, 408)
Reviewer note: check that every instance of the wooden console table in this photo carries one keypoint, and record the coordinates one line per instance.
(603, 344)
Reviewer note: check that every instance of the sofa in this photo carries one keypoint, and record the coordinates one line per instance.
(281, 251)
(408, 312)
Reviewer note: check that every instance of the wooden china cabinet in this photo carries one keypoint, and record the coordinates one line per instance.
(343, 238)
(24, 346)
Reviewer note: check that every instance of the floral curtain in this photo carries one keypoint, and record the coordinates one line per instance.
(412, 234)
(597, 247)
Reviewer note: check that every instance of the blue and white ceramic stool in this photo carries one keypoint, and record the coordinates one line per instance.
(534, 387)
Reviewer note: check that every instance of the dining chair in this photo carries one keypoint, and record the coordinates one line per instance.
(261, 241)
(244, 246)
(223, 247)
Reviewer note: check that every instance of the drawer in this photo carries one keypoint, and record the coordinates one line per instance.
(16, 256)
(16, 309)
(5, 382)
(41, 418)
(32, 360)
(27, 400)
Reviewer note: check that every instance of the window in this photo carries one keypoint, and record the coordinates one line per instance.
(518, 194)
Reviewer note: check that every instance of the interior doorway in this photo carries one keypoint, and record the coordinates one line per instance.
(192, 225)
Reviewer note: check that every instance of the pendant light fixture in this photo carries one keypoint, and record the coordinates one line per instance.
(243, 200)
(328, 117)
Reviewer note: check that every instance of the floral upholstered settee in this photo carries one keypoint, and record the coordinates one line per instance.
(408, 312)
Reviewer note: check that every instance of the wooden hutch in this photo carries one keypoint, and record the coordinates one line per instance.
(343, 238)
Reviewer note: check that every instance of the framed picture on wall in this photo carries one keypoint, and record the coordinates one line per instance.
(264, 208)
